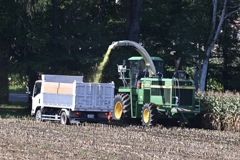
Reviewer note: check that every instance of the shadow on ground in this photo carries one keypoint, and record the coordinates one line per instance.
(15, 110)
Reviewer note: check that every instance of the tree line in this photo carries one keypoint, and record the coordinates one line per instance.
(71, 37)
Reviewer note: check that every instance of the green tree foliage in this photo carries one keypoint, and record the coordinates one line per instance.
(12, 36)
(71, 37)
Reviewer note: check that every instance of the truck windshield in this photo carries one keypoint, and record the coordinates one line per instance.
(37, 88)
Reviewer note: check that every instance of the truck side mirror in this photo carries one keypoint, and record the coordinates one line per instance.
(27, 90)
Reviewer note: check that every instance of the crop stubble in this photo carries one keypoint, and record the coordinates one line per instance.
(26, 139)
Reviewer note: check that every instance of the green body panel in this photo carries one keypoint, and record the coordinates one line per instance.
(167, 94)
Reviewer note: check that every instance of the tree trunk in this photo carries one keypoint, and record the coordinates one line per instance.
(213, 36)
(54, 22)
(54, 41)
(203, 78)
(225, 73)
(204, 74)
(197, 72)
(4, 91)
(133, 19)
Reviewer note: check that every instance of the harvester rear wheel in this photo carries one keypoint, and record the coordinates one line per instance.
(149, 114)
(122, 110)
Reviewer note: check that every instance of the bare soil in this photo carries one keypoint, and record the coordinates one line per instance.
(27, 139)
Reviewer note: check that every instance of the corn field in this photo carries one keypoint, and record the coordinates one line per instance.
(221, 110)
(27, 139)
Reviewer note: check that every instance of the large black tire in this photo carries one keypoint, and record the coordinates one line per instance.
(122, 109)
(149, 114)
(196, 122)
(64, 118)
(38, 116)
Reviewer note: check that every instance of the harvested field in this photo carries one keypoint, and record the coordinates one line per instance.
(26, 139)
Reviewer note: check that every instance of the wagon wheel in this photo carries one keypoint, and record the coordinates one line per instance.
(149, 114)
(64, 118)
(38, 116)
(122, 109)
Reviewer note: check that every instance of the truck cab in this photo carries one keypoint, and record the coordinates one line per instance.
(36, 96)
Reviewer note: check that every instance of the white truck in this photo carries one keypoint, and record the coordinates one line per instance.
(69, 100)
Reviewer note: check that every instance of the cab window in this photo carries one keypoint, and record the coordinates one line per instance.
(37, 88)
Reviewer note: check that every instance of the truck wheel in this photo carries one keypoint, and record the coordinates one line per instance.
(122, 110)
(64, 118)
(38, 116)
(149, 114)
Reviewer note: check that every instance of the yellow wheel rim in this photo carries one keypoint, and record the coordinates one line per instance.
(118, 110)
(146, 115)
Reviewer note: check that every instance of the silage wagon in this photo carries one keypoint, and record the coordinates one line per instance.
(69, 100)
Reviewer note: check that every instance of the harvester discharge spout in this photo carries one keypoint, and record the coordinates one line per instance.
(148, 61)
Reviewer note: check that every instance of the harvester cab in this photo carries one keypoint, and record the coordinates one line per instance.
(136, 69)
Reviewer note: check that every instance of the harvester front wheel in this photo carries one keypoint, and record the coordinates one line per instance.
(122, 110)
(149, 114)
